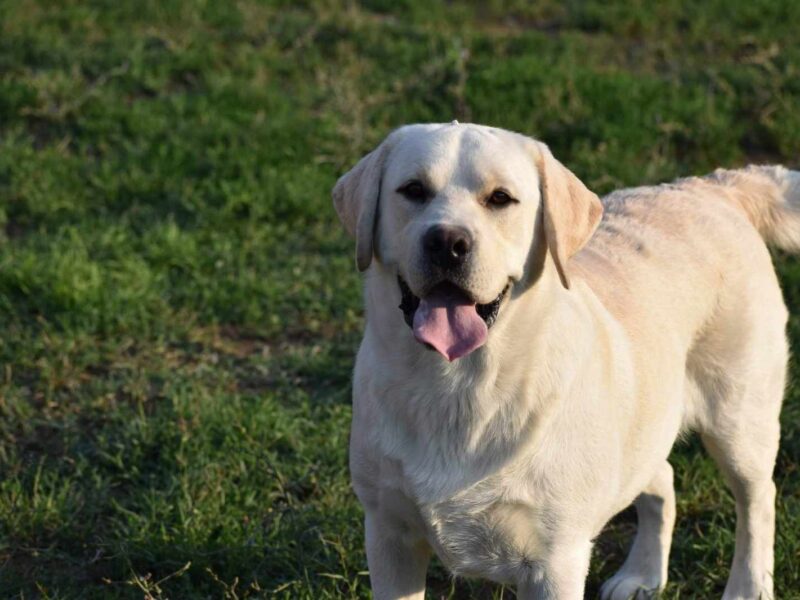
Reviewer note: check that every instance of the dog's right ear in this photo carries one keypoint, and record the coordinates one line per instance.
(355, 197)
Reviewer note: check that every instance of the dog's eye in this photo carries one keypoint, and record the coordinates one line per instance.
(499, 198)
(414, 191)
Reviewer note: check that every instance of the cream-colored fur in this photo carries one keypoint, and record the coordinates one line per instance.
(665, 317)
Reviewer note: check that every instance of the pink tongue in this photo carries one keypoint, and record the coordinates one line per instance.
(450, 323)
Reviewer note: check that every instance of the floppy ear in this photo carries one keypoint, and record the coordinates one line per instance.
(571, 211)
(355, 197)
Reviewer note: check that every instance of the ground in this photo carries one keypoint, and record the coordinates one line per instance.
(179, 307)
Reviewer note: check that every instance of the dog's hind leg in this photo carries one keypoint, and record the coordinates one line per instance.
(645, 570)
(746, 457)
(741, 431)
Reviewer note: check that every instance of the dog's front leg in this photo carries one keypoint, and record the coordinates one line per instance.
(562, 576)
(398, 560)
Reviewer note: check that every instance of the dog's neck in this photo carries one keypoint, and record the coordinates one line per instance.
(473, 408)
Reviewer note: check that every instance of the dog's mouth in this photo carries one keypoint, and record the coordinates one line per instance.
(447, 319)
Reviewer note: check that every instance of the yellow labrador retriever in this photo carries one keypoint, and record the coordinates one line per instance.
(548, 349)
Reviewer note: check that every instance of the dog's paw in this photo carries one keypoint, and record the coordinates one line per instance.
(629, 586)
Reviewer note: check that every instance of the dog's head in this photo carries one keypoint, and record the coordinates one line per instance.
(454, 210)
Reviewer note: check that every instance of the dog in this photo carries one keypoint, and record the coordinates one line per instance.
(548, 349)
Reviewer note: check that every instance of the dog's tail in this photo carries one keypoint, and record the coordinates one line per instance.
(770, 197)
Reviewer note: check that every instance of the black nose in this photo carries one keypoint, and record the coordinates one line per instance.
(447, 246)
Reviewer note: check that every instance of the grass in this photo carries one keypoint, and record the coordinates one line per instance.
(178, 305)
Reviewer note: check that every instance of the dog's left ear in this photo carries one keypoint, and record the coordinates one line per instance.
(355, 197)
(571, 211)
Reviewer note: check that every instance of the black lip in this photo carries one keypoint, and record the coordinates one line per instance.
(409, 304)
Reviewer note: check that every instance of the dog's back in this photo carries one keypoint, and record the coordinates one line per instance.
(697, 246)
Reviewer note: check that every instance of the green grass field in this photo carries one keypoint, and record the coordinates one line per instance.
(179, 308)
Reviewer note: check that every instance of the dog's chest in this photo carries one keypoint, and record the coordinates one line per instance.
(481, 514)
(459, 448)
(485, 532)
